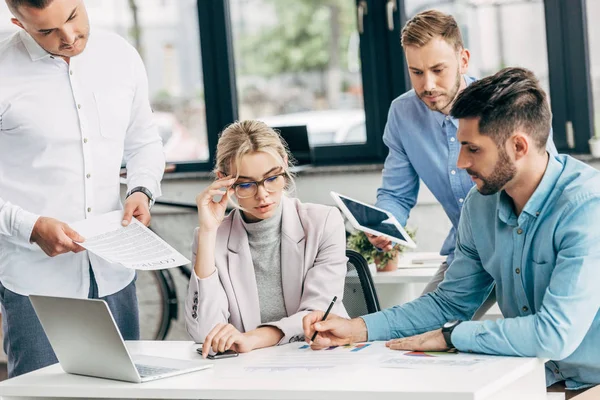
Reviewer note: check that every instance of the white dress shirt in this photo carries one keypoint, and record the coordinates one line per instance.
(64, 130)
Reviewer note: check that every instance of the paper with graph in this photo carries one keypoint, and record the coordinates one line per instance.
(436, 360)
(133, 246)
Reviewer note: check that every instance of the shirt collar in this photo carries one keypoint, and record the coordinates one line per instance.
(36, 52)
(441, 117)
(536, 202)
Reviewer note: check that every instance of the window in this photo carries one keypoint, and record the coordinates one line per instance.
(593, 11)
(298, 63)
(156, 29)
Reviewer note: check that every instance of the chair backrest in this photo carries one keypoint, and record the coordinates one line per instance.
(360, 297)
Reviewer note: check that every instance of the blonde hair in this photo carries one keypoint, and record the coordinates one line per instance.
(427, 25)
(247, 137)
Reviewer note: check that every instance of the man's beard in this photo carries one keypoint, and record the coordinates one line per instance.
(451, 95)
(504, 172)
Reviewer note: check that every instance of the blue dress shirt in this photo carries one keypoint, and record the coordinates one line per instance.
(422, 145)
(545, 264)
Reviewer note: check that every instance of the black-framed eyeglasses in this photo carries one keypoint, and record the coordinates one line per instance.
(272, 184)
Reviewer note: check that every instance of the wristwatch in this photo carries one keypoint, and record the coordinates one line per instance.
(145, 191)
(447, 332)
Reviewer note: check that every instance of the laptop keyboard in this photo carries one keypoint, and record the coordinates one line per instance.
(152, 370)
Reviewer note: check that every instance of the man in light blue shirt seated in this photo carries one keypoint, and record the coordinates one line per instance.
(420, 133)
(529, 228)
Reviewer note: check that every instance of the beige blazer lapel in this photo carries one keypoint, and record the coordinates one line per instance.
(241, 274)
(293, 243)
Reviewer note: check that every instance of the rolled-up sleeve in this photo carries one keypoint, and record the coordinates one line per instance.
(400, 182)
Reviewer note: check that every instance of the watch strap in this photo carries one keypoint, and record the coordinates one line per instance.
(447, 333)
(144, 190)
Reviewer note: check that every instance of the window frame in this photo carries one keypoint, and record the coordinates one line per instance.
(385, 77)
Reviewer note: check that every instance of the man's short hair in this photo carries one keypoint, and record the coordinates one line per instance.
(13, 5)
(427, 25)
(509, 100)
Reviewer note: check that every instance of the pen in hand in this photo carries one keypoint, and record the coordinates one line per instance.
(314, 336)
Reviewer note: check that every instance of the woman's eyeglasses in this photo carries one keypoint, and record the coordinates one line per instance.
(273, 183)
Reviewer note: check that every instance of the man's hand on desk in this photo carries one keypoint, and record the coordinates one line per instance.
(136, 205)
(55, 237)
(428, 341)
(381, 242)
(335, 331)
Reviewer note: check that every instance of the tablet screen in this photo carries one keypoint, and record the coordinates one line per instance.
(372, 218)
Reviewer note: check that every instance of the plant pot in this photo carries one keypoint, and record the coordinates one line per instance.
(595, 147)
(391, 265)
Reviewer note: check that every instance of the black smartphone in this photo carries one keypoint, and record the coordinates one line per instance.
(218, 356)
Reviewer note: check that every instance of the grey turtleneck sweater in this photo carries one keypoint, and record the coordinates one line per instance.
(264, 238)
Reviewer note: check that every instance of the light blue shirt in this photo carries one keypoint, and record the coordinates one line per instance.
(422, 145)
(546, 267)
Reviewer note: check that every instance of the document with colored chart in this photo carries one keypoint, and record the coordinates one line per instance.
(435, 360)
(133, 246)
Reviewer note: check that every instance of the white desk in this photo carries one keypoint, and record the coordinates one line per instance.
(407, 282)
(504, 379)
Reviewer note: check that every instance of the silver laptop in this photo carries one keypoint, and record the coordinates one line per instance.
(86, 341)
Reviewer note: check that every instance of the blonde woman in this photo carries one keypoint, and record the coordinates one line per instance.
(273, 259)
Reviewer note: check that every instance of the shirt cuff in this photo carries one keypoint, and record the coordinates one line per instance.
(463, 336)
(146, 181)
(25, 223)
(378, 327)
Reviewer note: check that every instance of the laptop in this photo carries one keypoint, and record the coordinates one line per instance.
(297, 141)
(86, 341)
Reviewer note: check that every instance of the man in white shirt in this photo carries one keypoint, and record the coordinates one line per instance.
(73, 105)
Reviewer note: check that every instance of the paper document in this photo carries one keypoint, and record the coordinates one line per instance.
(133, 246)
(436, 360)
(420, 260)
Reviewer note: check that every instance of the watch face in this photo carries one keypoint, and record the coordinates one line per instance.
(450, 324)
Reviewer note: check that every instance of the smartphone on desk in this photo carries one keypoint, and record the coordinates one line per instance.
(218, 356)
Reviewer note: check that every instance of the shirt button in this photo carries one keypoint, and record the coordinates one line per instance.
(461, 200)
(194, 315)
(453, 172)
(89, 209)
(79, 106)
(88, 176)
(71, 72)
(556, 371)
(525, 309)
(452, 139)
(518, 270)
(447, 118)
(537, 214)
(84, 140)
(519, 231)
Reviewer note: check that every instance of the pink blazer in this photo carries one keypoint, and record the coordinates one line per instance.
(313, 270)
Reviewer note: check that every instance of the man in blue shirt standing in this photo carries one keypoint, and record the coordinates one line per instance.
(420, 133)
(527, 229)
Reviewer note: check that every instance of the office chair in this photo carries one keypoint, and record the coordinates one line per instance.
(360, 297)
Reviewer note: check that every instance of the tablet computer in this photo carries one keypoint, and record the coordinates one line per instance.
(373, 220)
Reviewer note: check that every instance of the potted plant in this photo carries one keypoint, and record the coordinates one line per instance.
(595, 145)
(383, 260)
